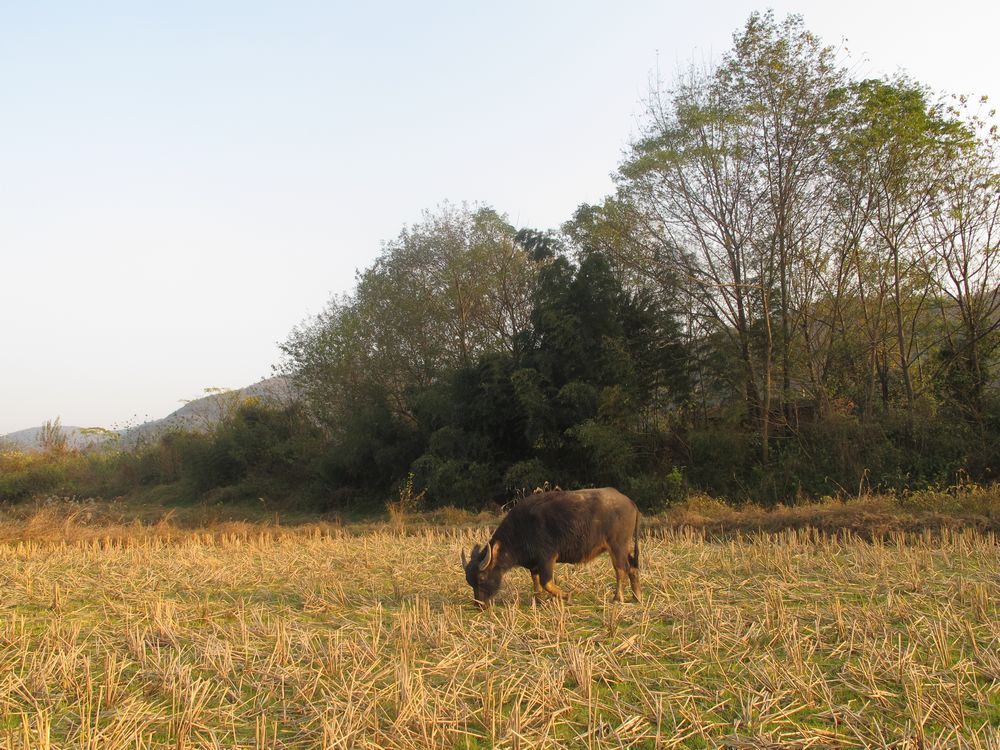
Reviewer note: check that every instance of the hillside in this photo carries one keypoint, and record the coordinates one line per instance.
(77, 438)
(201, 414)
(197, 415)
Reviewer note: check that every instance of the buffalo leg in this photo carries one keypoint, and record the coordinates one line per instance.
(555, 590)
(537, 583)
(619, 578)
(633, 577)
(547, 578)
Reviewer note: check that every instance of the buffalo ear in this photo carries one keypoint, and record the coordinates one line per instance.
(465, 563)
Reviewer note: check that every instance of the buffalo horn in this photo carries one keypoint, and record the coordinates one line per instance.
(487, 556)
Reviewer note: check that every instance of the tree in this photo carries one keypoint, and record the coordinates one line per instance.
(52, 438)
(731, 171)
(963, 232)
(781, 77)
(446, 293)
(442, 294)
(600, 359)
(656, 320)
(900, 147)
(690, 176)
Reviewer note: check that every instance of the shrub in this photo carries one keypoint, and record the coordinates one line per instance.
(34, 479)
(451, 481)
(655, 493)
(406, 504)
(721, 459)
(524, 476)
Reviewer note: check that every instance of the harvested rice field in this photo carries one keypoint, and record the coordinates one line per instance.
(319, 637)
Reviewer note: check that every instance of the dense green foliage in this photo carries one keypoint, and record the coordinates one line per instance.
(794, 291)
(256, 451)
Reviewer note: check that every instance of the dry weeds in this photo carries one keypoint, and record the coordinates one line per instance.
(255, 637)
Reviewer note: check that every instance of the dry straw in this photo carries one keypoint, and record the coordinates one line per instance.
(314, 637)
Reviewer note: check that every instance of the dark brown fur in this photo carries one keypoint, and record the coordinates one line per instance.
(569, 527)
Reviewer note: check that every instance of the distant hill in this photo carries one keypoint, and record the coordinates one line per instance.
(30, 439)
(197, 415)
(201, 414)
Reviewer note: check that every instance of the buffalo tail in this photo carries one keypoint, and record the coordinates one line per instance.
(633, 559)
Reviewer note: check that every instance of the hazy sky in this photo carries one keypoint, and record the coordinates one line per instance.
(183, 182)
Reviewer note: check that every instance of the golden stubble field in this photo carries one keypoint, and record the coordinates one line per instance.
(315, 637)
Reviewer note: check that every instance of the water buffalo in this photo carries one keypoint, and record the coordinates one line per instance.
(569, 527)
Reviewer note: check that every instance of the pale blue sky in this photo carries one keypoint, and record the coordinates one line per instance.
(183, 182)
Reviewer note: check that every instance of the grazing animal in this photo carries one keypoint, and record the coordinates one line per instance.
(569, 527)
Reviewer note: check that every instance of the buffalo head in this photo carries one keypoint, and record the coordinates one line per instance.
(483, 572)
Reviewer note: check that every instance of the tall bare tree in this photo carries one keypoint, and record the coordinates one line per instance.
(901, 148)
(733, 171)
(781, 77)
(963, 232)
